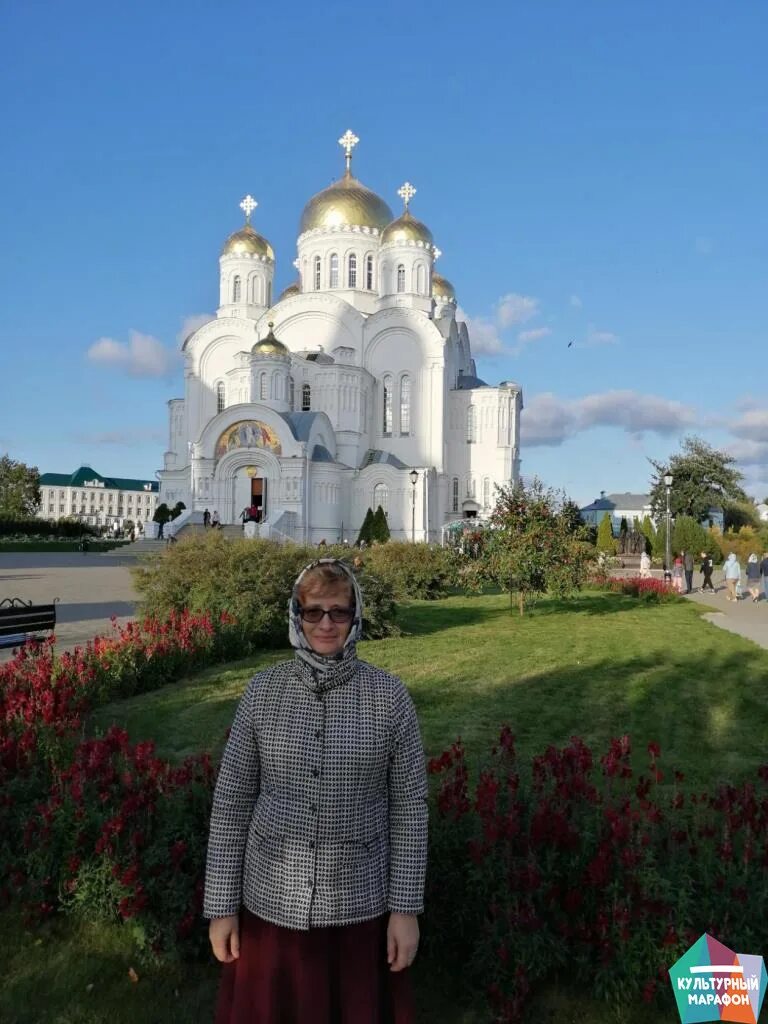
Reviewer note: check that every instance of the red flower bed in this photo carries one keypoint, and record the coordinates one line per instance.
(581, 865)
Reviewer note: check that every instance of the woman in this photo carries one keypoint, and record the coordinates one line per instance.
(677, 574)
(753, 577)
(318, 842)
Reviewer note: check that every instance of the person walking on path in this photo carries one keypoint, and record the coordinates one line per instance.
(753, 577)
(688, 568)
(215, 522)
(764, 574)
(677, 574)
(707, 567)
(732, 571)
(318, 840)
(206, 519)
(645, 566)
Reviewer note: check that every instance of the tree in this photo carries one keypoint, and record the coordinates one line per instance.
(740, 513)
(162, 513)
(702, 477)
(688, 535)
(648, 531)
(177, 509)
(571, 515)
(366, 530)
(380, 529)
(605, 541)
(530, 549)
(19, 489)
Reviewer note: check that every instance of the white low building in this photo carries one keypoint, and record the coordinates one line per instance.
(356, 388)
(95, 499)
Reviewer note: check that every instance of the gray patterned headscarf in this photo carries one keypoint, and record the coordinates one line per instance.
(325, 671)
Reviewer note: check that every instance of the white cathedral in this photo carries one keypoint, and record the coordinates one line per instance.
(356, 388)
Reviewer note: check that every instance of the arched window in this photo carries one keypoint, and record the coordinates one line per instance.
(317, 273)
(381, 498)
(369, 273)
(352, 271)
(400, 277)
(405, 404)
(486, 492)
(386, 421)
(221, 397)
(275, 387)
(471, 425)
(269, 293)
(421, 279)
(333, 276)
(262, 387)
(291, 393)
(455, 495)
(306, 398)
(236, 288)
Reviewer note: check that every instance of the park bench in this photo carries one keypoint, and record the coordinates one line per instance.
(22, 620)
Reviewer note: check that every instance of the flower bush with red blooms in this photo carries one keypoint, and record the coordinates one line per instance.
(648, 589)
(55, 791)
(581, 867)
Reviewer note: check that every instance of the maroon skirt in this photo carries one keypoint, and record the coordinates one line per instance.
(321, 976)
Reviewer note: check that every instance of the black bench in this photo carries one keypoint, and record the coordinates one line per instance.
(21, 620)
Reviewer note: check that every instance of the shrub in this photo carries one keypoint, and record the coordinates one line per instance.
(380, 526)
(581, 864)
(605, 538)
(364, 537)
(414, 570)
(743, 542)
(251, 580)
(648, 589)
(41, 528)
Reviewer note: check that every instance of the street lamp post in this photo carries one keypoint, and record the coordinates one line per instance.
(668, 545)
(414, 480)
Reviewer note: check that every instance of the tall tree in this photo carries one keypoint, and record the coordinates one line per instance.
(572, 516)
(380, 526)
(366, 529)
(702, 477)
(19, 489)
(605, 541)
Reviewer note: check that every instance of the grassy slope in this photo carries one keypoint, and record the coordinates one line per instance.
(599, 667)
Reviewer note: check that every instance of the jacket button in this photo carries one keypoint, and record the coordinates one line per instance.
(315, 772)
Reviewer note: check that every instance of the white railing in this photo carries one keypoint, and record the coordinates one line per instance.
(281, 528)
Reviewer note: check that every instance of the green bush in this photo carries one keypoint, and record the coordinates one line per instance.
(380, 526)
(365, 535)
(414, 570)
(605, 538)
(42, 528)
(250, 579)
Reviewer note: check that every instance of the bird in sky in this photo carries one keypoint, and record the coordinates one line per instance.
(570, 343)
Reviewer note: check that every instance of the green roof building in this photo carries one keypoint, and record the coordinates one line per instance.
(95, 499)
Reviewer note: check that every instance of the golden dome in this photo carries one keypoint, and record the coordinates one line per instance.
(292, 289)
(270, 346)
(247, 241)
(442, 288)
(345, 202)
(407, 229)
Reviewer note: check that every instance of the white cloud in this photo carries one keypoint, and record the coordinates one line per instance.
(548, 420)
(576, 302)
(516, 309)
(595, 337)
(483, 335)
(141, 356)
(535, 334)
(190, 324)
(753, 426)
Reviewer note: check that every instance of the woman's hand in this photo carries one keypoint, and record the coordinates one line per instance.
(402, 940)
(224, 933)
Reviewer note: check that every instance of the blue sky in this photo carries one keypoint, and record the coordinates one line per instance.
(593, 173)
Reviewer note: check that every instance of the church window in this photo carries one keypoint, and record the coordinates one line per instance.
(317, 273)
(400, 277)
(221, 398)
(421, 279)
(471, 425)
(236, 288)
(405, 405)
(269, 293)
(291, 393)
(486, 492)
(262, 387)
(455, 495)
(306, 398)
(333, 277)
(369, 273)
(386, 424)
(381, 498)
(352, 271)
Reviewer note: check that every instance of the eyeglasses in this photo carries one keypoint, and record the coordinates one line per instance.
(337, 615)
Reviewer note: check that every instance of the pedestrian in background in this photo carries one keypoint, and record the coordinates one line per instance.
(707, 566)
(753, 577)
(688, 567)
(732, 571)
(764, 574)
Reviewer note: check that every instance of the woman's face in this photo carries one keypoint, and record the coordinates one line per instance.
(326, 637)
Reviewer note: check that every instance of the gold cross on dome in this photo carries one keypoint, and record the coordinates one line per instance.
(348, 141)
(406, 193)
(248, 205)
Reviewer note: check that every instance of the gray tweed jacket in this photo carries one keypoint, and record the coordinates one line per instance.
(320, 808)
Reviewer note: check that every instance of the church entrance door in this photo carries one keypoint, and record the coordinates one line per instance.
(259, 497)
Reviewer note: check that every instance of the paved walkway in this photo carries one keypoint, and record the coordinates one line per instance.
(91, 588)
(745, 617)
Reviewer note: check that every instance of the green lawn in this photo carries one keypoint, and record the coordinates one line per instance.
(600, 666)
